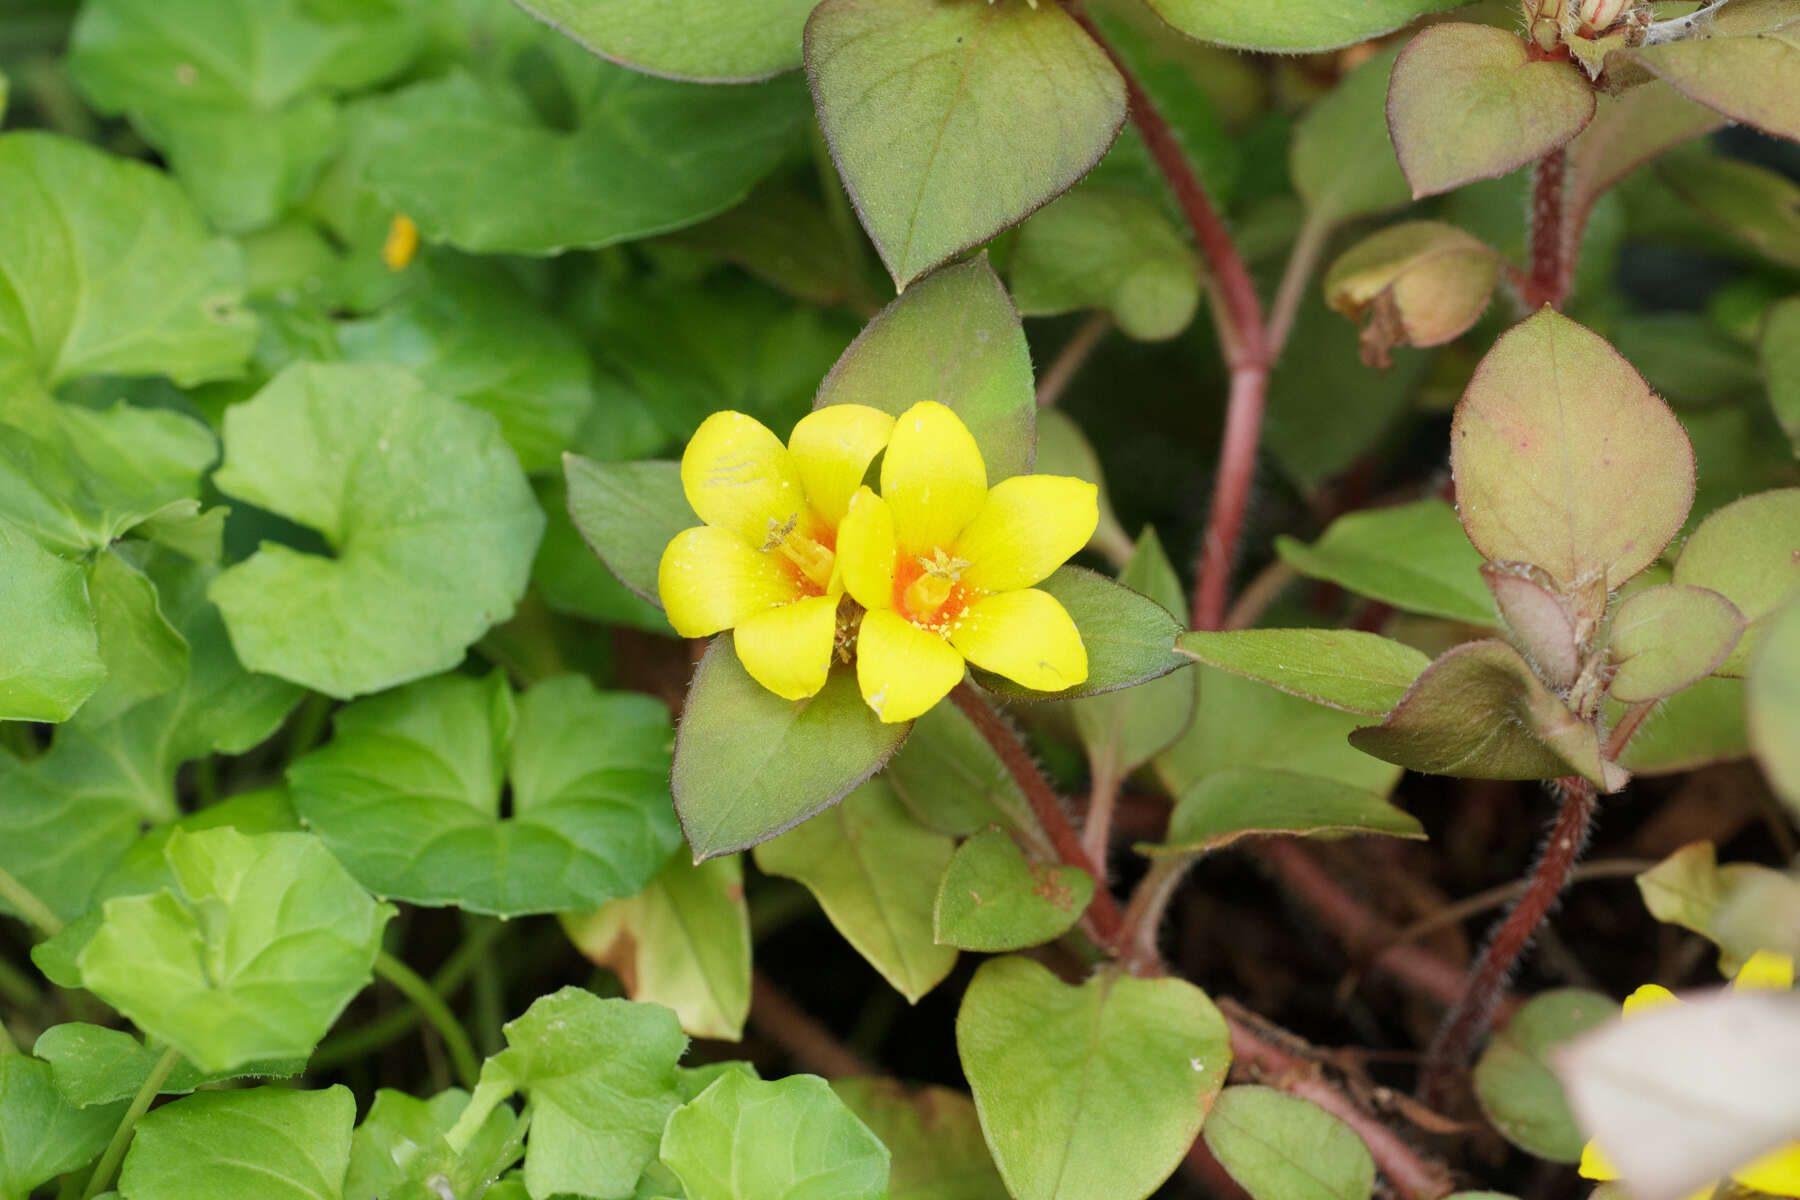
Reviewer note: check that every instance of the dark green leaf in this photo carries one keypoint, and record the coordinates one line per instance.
(1341, 159)
(1130, 638)
(1412, 556)
(93, 1065)
(1343, 668)
(1282, 1147)
(1513, 1080)
(1110, 250)
(951, 780)
(1240, 802)
(628, 513)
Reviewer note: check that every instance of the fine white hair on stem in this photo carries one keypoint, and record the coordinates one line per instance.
(1681, 28)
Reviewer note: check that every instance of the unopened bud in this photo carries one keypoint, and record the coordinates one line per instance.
(1600, 15)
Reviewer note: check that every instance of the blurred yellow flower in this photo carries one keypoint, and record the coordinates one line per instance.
(764, 564)
(1776, 1173)
(401, 244)
(944, 565)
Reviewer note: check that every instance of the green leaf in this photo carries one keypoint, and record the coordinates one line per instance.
(1111, 250)
(1742, 907)
(1518, 1091)
(1130, 638)
(1773, 702)
(1341, 160)
(1627, 131)
(953, 338)
(472, 335)
(1695, 727)
(1480, 712)
(1093, 1091)
(144, 655)
(42, 1135)
(50, 655)
(1469, 102)
(570, 576)
(1781, 364)
(97, 1066)
(865, 861)
(1563, 458)
(1413, 556)
(1343, 668)
(1241, 802)
(1670, 637)
(1242, 723)
(244, 129)
(430, 519)
(1752, 203)
(1291, 26)
(400, 1150)
(601, 1078)
(750, 765)
(628, 513)
(1282, 1147)
(408, 794)
(950, 123)
(744, 1139)
(266, 943)
(475, 166)
(687, 39)
(1746, 551)
(683, 942)
(112, 272)
(1743, 77)
(1123, 730)
(934, 1136)
(263, 1143)
(950, 779)
(992, 898)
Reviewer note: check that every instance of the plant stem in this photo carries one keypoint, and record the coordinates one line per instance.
(1303, 258)
(26, 903)
(793, 1029)
(429, 1003)
(1104, 910)
(7, 1044)
(1103, 796)
(1069, 359)
(358, 1043)
(1143, 916)
(1414, 1176)
(1552, 249)
(1627, 728)
(1231, 494)
(1467, 1023)
(121, 1138)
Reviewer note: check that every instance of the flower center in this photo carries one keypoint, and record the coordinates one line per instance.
(928, 591)
(814, 560)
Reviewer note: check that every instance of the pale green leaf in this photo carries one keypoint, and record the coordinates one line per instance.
(934, 1136)
(1341, 160)
(950, 122)
(992, 898)
(1342, 668)
(1743, 907)
(1668, 638)
(263, 1143)
(1773, 700)
(745, 1139)
(1240, 802)
(144, 654)
(400, 1151)
(1513, 1080)
(714, 41)
(1749, 552)
(49, 656)
(93, 1065)
(1413, 556)
(1746, 77)
(1291, 26)
(1111, 250)
(866, 861)
(431, 521)
(1282, 1147)
(1781, 364)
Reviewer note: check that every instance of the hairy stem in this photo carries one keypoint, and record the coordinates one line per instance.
(25, 902)
(121, 1138)
(1069, 359)
(1467, 1023)
(1103, 912)
(1627, 728)
(1552, 247)
(426, 999)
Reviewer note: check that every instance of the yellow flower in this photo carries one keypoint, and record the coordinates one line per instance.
(764, 564)
(401, 244)
(944, 565)
(1776, 1173)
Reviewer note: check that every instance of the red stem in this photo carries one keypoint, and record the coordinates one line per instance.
(1552, 247)
(1469, 1021)
(1104, 910)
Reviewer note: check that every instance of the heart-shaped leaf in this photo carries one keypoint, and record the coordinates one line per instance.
(864, 860)
(1514, 1082)
(1748, 552)
(993, 898)
(1412, 556)
(1563, 458)
(1277, 1145)
(1343, 668)
(431, 520)
(750, 765)
(700, 40)
(1245, 802)
(265, 943)
(1129, 638)
(954, 338)
(1290, 28)
(951, 122)
(1480, 712)
(408, 793)
(1468, 102)
(1089, 1092)
(744, 1138)
(1670, 637)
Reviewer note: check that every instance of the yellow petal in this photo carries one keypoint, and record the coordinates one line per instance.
(1595, 1164)
(788, 649)
(739, 476)
(1766, 971)
(710, 580)
(1649, 998)
(902, 669)
(1030, 525)
(1777, 1173)
(832, 449)
(865, 551)
(1027, 636)
(932, 477)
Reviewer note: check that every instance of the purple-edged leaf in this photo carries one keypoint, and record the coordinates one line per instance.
(1468, 102)
(1479, 712)
(1540, 624)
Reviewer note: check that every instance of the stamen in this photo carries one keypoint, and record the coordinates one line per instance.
(815, 561)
